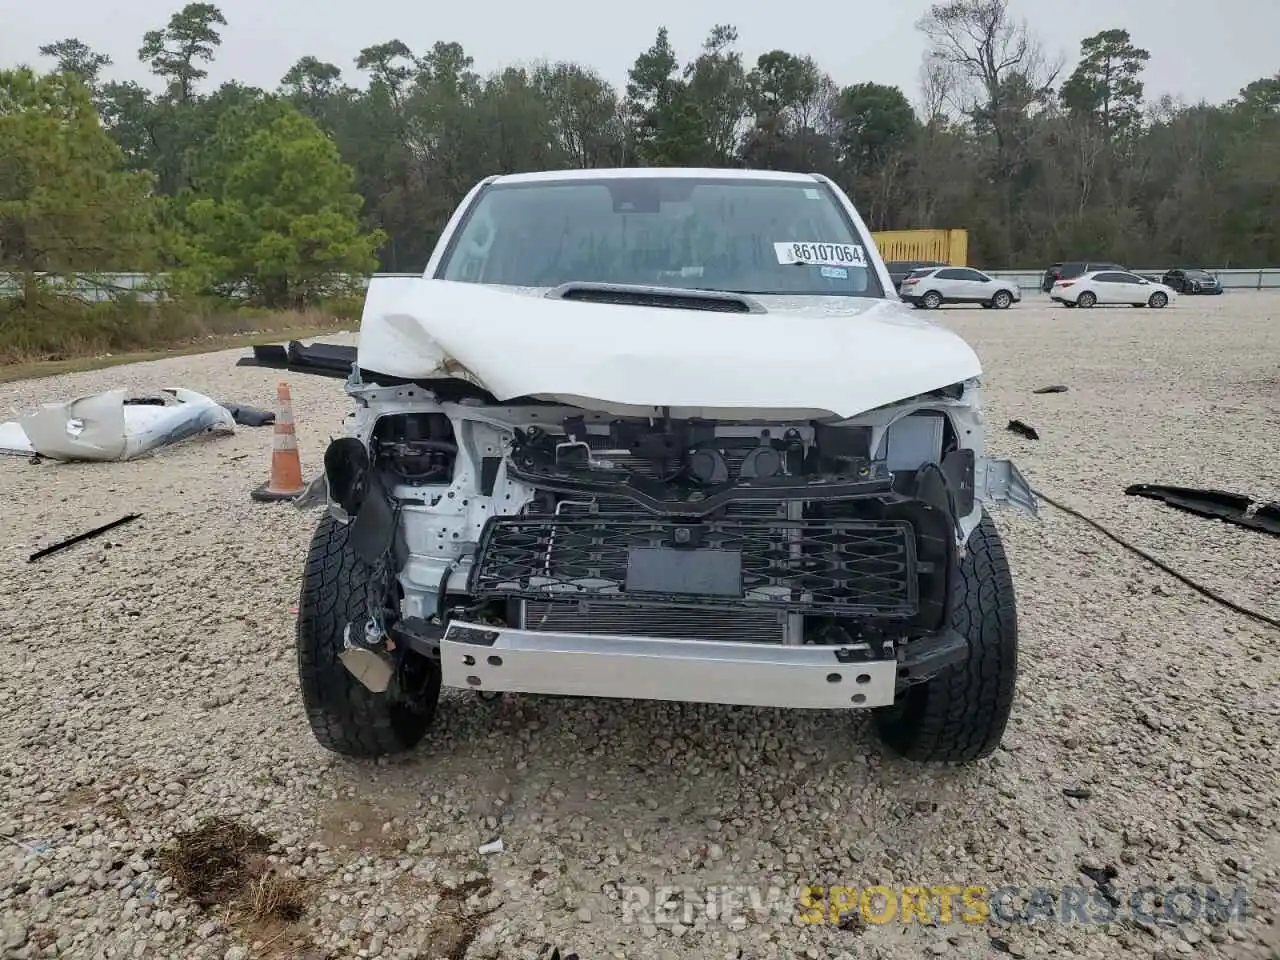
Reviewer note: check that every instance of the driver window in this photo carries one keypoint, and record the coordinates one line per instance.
(474, 254)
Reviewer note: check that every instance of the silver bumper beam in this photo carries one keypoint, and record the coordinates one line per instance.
(484, 658)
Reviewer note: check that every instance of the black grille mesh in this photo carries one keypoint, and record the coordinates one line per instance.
(835, 567)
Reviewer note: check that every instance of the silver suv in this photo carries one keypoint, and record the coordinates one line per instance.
(932, 287)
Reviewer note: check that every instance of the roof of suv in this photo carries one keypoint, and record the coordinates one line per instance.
(623, 173)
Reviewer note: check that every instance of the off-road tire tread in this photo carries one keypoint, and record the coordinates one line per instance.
(345, 716)
(964, 711)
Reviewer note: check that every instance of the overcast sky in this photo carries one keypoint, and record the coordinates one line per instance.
(1198, 51)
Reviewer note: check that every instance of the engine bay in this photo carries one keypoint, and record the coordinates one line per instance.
(678, 465)
(685, 458)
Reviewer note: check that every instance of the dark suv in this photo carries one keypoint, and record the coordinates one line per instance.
(1074, 268)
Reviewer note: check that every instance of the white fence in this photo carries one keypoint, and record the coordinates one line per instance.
(104, 286)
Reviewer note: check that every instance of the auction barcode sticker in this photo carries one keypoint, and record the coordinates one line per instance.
(821, 254)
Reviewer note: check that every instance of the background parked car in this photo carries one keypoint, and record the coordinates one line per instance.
(1074, 268)
(1111, 287)
(931, 287)
(899, 270)
(1191, 280)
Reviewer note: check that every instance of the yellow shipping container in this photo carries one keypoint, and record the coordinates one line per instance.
(945, 246)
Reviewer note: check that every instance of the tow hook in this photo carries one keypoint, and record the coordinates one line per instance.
(366, 655)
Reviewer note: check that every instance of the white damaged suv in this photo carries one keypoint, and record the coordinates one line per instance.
(663, 434)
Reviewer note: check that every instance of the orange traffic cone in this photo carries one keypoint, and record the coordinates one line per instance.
(286, 466)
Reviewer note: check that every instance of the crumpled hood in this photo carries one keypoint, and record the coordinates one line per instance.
(806, 355)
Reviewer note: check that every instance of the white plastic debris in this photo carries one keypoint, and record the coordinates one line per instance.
(104, 427)
(493, 846)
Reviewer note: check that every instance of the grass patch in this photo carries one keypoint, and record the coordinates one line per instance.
(280, 898)
(211, 864)
(222, 865)
(59, 336)
(35, 369)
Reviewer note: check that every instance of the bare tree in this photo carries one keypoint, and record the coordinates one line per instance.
(996, 69)
(937, 89)
(1000, 74)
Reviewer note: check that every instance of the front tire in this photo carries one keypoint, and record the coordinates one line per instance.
(1158, 300)
(345, 716)
(1002, 300)
(960, 715)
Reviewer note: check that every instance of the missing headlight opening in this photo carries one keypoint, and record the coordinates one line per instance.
(415, 448)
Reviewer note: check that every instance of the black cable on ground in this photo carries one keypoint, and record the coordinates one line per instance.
(1160, 564)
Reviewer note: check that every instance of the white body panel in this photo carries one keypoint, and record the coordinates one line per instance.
(851, 354)
(104, 427)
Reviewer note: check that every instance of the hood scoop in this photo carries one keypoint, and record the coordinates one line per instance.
(676, 298)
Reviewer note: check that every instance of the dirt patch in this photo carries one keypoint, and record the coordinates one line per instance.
(211, 864)
(452, 930)
(449, 936)
(99, 795)
(361, 826)
(43, 937)
(102, 797)
(222, 863)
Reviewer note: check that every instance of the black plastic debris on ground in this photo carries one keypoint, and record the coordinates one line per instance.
(1214, 504)
(80, 537)
(1055, 388)
(247, 416)
(1023, 429)
(321, 359)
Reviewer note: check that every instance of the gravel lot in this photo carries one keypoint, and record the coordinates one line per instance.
(150, 683)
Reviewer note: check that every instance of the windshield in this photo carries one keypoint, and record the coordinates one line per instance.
(742, 236)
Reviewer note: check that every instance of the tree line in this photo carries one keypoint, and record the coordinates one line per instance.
(273, 196)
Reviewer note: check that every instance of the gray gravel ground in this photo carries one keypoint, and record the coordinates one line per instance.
(149, 682)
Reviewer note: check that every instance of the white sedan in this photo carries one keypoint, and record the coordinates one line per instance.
(1105, 287)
